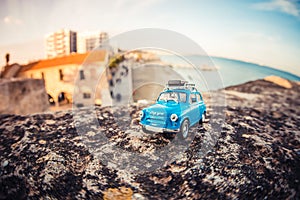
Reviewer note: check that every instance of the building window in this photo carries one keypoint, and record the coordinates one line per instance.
(86, 95)
(61, 75)
(43, 75)
(81, 73)
(61, 97)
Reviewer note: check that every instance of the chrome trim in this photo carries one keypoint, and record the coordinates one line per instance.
(158, 129)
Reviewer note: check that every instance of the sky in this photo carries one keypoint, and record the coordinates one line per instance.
(265, 32)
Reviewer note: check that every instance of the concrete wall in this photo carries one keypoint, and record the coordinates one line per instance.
(23, 96)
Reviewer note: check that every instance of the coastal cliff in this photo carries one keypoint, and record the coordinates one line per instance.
(256, 156)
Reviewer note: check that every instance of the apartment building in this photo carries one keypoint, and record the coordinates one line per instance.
(61, 43)
(90, 40)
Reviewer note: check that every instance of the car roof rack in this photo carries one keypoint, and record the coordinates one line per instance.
(180, 84)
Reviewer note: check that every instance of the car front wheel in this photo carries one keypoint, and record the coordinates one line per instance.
(184, 129)
(203, 117)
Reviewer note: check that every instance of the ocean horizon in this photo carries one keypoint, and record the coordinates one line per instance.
(215, 72)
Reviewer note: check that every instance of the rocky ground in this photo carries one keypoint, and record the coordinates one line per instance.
(256, 155)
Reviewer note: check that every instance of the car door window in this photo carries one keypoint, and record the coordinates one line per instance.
(199, 98)
(193, 98)
(182, 97)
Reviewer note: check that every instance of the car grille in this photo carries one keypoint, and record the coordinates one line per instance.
(156, 120)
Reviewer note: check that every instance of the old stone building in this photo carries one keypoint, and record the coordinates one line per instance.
(61, 74)
(81, 79)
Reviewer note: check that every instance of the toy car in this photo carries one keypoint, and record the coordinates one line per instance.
(177, 108)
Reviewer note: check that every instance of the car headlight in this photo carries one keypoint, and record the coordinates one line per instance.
(141, 114)
(173, 117)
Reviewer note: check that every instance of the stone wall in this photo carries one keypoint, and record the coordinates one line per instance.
(23, 96)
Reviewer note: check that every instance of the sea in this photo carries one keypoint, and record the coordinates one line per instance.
(211, 73)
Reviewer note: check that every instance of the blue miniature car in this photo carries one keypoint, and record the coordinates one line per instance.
(177, 108)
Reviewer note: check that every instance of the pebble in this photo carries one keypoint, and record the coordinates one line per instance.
(5, 163)
(42, 142)
(138, 196)
(91, 134)
(50, 122)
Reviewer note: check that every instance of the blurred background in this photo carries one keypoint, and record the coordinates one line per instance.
(48, 42)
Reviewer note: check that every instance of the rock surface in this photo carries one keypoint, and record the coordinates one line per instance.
(256, 156)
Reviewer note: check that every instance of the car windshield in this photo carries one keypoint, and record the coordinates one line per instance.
(172, 96)
(168, 96)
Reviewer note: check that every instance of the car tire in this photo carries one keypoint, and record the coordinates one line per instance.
(202, 120)
(184, 129)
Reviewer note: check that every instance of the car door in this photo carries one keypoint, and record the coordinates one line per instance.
(201, 105)
(194, 109)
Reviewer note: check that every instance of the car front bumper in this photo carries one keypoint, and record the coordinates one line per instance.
(159, 130)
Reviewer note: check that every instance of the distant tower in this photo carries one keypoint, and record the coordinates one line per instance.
(7, 56)
(61, 43)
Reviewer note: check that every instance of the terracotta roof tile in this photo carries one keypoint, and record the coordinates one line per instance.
(95, 56)
(28, 66)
